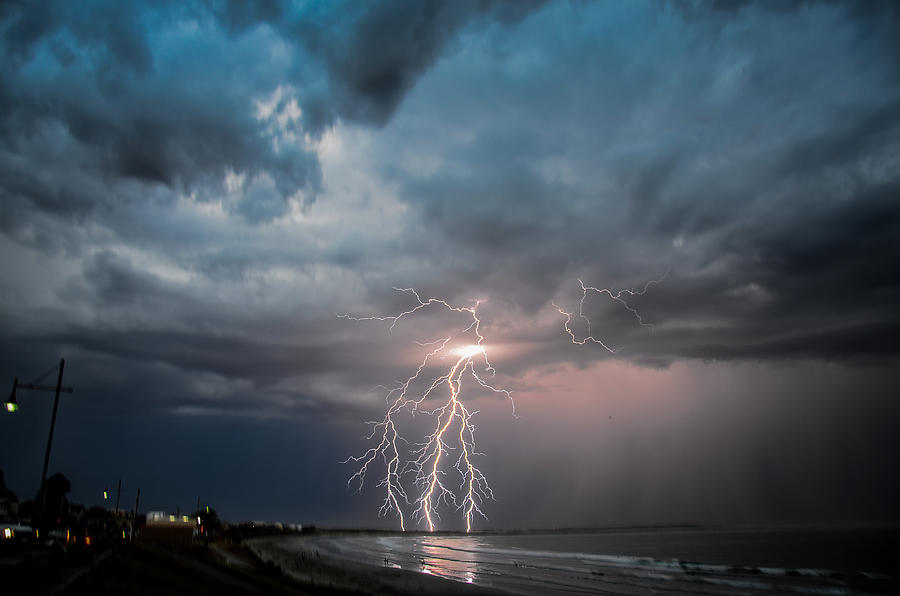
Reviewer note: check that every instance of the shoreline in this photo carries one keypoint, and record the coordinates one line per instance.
(301, 565)
(810, 562)
(310, 568)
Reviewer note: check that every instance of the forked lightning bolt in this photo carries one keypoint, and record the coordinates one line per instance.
(620, 296)
(426, 462)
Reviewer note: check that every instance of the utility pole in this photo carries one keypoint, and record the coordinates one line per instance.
(62, 365)
(12, 406)
(118, 494)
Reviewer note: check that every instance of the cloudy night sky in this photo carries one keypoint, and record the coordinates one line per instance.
(192, 192)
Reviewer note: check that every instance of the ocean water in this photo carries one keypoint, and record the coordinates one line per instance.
(824, 561)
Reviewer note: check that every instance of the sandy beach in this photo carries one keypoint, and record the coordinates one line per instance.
(637, 561)
(316, 570)
(255, 566)
(710, 561)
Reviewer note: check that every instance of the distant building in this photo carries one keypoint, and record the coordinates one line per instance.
(169, 528)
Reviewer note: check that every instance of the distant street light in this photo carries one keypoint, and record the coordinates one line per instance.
(12, 405)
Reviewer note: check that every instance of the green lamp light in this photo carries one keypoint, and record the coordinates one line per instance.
(11, 404)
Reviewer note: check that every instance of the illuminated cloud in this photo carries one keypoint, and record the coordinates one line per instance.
(190, 192)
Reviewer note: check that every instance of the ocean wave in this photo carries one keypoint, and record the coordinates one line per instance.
(536, 571)
(514, 554)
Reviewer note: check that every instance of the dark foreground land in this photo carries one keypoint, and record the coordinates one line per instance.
(137, 569)
(145, 569)
(153, 569)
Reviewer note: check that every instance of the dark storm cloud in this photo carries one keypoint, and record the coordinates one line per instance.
(238, 15)
(145, 318)
(114, 89)
(774, 207)
(375, 52)
(84, 94)
(120, 29)
(191, 192)
(776, 237)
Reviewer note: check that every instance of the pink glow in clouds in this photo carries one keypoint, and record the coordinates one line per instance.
(615, 444)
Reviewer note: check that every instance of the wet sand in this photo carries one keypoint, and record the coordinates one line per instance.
(635, 561)
(315, 570)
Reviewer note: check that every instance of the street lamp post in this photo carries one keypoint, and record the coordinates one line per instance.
(12, 405)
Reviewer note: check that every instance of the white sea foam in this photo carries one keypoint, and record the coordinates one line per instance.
(499, 562)
(630, 561)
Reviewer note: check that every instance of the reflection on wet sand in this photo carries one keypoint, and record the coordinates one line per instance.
(638, 561)
(459, 561)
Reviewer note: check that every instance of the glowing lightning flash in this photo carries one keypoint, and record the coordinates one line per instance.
(453, 427)
(620, 296)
